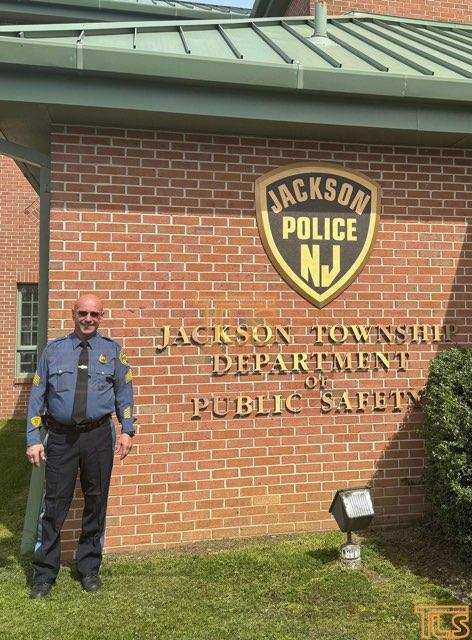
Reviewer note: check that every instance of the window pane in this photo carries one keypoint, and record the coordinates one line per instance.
(27, 327)
(28, 362)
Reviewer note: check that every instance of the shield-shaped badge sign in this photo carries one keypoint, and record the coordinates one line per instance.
(317, 224)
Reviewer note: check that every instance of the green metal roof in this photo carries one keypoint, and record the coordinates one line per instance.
(50, 11)
(362, 54)
(375, 79)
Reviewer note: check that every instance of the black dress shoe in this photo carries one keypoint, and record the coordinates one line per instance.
(41, 590)
(91, 582)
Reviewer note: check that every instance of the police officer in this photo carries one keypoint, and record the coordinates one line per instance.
(81, 379)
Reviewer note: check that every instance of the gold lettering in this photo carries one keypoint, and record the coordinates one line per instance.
(436, 333)
(225, 360)
(360, 332)
(319, 330)
(217, 412)
(261, 359)
(280, 363)
(276, 207)
(343, 361)
(286, 197)
(277, 405)
(243, 364)
(397, 399)
(415, 395)
(284, 333)
(268, 334)
(182, 336)
(243, 406)
(330, 193)
(337, 233)
(363, 360)
(449, 331)
(402, 360)
(345, 193)
(334, 329)
(385, 333)
(315, 193)
(220, 333)
(320, 356)
(288, 403)
(300, 362)
(165, 338)
(289, 224)
(329, 274)
(344, 404)
(199, 405)
(380, 400)
(401, 333)
(362, 399)
(259, 404)
(381, 359)
(243, 333)
(351, 231)
(360, 201)
(299, 190)
(310, 263)
(327, 402)
(196, 335)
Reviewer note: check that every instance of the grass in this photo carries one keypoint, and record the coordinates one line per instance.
(289, 588)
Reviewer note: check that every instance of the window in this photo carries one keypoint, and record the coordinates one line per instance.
(27, 331)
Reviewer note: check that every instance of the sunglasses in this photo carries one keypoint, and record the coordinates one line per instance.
(93, 314)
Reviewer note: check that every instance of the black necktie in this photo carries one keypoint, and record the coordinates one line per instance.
(80, 397)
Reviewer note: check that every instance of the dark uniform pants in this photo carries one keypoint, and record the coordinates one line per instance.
(67, 451)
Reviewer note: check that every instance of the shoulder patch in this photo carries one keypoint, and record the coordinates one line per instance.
(36, 379)
(128, 376)
(123, 358)
(36, 421)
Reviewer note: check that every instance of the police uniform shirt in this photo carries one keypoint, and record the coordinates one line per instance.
(109, 384)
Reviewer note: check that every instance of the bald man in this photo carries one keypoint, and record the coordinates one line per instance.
(81, 380)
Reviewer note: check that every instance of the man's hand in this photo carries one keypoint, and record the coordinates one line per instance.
(35, 454)
(123, 446)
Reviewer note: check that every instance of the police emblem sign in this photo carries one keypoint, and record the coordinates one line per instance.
(317, 224)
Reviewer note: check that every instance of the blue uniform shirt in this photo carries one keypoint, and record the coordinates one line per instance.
(109, 384)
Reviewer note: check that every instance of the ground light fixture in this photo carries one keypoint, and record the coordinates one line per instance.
(353, 511)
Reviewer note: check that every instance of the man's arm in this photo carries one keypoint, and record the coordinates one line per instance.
(36, 405)
(124, 401)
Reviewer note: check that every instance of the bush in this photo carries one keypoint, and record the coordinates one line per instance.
(448, 440)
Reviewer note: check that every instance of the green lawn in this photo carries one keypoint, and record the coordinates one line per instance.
(273, 589)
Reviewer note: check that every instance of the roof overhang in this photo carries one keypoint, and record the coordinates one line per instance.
(32, 101)
(63, 11)
(45, 82)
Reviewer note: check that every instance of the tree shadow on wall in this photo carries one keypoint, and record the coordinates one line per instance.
(412, 541)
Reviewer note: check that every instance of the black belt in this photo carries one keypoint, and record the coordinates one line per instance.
(54, 425)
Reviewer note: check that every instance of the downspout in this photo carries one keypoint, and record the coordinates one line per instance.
(36, 158)
(36, 489)
(44, 233)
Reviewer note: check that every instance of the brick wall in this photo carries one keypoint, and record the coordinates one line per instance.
(161, 224)
(19, 226)
(457, 11)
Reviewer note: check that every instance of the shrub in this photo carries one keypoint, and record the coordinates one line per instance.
(448, 440)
